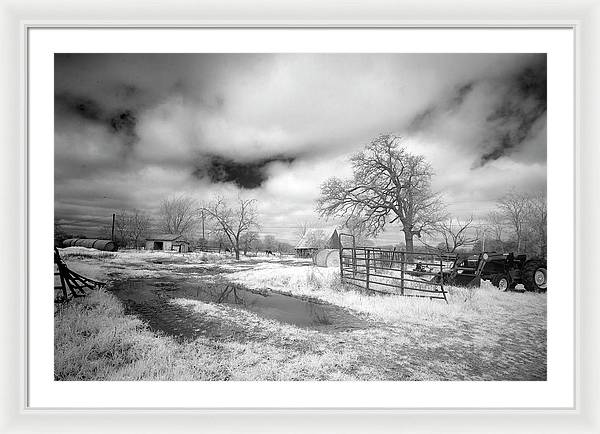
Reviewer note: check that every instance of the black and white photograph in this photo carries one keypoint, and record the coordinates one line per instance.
(300, 217)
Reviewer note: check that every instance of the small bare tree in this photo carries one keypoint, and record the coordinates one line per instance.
(122, 227)
(454, 234)
(269, 242)
(234, 220)
(139, 224)
(515, 207)
(178, 215)
(301, 229)
(247, 240)
(495, 223)
(537, 219)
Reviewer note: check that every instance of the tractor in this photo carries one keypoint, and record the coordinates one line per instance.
(504, 270)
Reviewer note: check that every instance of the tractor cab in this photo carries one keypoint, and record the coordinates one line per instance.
(466, 270)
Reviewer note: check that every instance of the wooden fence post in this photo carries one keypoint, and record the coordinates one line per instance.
(353, 257)
(442, 278)
(368, 257)
(375, 259)
(402, 266)
(341, 264)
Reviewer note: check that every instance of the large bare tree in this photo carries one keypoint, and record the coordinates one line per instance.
(178, 215)
(234, 220)
(388, 185)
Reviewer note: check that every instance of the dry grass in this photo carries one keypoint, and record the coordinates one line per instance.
(325, 284)
(94, 340)
(481, 334)
(85, 253)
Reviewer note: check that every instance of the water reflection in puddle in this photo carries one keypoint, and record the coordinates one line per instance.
(149, 299)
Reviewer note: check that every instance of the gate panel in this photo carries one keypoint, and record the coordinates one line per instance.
(392, 271)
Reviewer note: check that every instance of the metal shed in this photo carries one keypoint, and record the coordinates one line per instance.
(168, 243)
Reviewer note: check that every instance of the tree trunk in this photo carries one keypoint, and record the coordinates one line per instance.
(408, 239)
(237, 253)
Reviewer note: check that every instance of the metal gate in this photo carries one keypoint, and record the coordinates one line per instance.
(392, 271)
(70, 281)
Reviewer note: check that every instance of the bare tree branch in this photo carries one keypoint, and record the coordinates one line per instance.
(139, 224)
(178, 215)
(454, 234)
(515, 206)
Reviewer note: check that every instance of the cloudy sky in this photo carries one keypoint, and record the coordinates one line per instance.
(133, 129)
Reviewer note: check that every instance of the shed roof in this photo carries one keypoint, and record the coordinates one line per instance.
(316, 238)
(164, 237)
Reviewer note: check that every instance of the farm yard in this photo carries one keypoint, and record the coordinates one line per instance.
(206, 316)
(341, 216)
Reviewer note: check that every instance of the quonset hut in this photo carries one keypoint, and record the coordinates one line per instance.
(91, 243)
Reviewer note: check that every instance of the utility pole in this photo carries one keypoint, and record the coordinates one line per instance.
(203, 238)
(112, 233)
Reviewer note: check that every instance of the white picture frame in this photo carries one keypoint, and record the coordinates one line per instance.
(17, 18)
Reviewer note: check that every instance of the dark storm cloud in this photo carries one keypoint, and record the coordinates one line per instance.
(425, 118)
(516, 103)
(523, 105)
(121, 122)
(130, 128)
(246, 175)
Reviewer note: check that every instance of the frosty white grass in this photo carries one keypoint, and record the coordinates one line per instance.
(94, 340)
(324, 284)
(482, 334)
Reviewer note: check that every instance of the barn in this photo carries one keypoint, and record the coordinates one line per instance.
(314, 240)
(168, 242)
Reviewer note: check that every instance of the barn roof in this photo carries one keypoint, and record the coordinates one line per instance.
(164, 237)
(314, 238)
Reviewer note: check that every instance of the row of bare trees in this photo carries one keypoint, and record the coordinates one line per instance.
(131, 227)
(521, 219)
(233, 221)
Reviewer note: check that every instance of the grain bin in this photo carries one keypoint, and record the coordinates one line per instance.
(91, 243)
(327, 258)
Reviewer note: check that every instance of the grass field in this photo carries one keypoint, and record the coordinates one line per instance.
(481, 334)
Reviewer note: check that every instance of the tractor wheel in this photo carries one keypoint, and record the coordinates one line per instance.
(535, 275)
(502, 282)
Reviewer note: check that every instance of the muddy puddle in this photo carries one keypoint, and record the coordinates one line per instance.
(149, 299)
